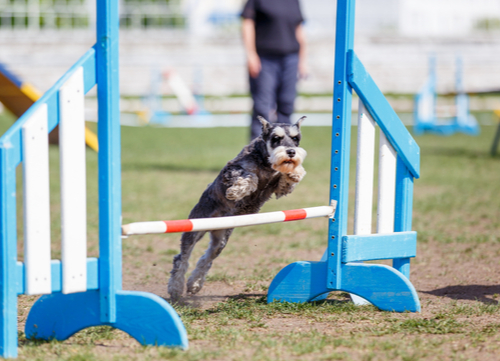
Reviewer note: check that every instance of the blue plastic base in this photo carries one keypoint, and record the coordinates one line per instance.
(439, 129)
(144, 316)
(445, 129)
(383, 286)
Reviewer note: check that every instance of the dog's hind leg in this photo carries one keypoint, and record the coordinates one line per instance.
(218, 240)
(181, 264)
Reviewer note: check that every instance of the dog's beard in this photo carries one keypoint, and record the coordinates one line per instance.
(281, 162)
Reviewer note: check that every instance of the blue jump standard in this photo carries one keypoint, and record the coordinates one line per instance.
(146, 317)
(388, 288)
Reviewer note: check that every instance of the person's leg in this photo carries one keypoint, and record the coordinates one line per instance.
(287, 87)
(263, 90)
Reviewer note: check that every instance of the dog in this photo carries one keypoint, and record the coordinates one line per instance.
(270, 164)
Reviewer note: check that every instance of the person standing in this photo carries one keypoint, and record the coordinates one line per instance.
(274, 41)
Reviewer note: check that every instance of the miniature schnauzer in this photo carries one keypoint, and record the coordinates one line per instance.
(271, 163)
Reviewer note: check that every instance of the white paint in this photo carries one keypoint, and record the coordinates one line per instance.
(144, 228)
(36, 203)
(363, 203)
(364, 172)
(386, 186)
(73, 184)
(215, 223)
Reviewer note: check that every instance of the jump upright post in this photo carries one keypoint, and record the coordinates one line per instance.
(78, 292)
(341, 268)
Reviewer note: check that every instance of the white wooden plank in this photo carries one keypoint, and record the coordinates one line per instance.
(364, 172)
(363, 200)
(36, 203)
(73, 184)
(386, 186)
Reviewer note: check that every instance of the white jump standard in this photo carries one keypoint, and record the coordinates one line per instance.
(215, 223)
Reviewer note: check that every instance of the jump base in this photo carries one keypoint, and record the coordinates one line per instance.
(144, 316)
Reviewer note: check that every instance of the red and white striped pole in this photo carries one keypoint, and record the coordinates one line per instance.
(214, 223)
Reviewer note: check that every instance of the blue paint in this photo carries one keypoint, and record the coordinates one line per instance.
(108, 131)
(341, 137)
(8, 252)
(368, 248)
(382, 285)
(425, 115)
(382, 112)
(146, 317)
(299, 282)
(403, 210)
(385, 287)
(56, 274)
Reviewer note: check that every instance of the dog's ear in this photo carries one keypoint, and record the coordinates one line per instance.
(299, 122)
(265, 125)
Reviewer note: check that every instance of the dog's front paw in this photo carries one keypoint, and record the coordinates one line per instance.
(297, 175)
(242, 187)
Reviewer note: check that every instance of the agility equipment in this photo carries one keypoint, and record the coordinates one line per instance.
(426, 119)
(78, 292)
(215, 223)
(181, 91)
(341, 267)
(19, 96)
(496, 139)
(190, 102)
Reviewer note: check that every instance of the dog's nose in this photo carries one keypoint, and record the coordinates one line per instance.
(291, 153)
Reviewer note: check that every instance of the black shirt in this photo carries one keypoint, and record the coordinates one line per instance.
(275, 24)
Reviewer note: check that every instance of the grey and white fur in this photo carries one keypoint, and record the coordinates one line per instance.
(270, 164)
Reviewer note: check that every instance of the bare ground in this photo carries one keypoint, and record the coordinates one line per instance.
(451, 278)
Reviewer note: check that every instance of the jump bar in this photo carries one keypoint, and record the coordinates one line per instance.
(215, 223)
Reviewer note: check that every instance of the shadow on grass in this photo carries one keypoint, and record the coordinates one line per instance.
(262, 298)
(197, 302)
(481, 293)
(168, 168)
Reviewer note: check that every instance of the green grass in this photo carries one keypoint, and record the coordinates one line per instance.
(164, 171)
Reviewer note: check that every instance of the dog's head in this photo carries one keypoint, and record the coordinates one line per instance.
(282, 142)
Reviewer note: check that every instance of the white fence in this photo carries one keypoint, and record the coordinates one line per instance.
(80, 14)
(413, 18)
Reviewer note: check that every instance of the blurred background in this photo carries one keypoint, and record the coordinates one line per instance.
(170, 47)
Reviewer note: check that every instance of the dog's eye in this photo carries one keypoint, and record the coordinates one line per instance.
(276, 138)
(295, 139)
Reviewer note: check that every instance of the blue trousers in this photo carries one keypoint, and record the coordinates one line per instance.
(274, 90)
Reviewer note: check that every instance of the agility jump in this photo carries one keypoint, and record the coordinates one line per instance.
(215, 223)
(96, 297)
(77, 292)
